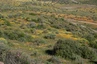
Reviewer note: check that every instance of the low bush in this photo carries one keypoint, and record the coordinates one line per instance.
(31, 25)
(1, 16)
(9, 56)
(41, 26)
(50, 36)
(6, 22)
(87, 53)
(89, 37)
(15, 35)
(16, 57)
(3, 48)
(33, 31)
(39, 41)
(68, 49)
(93, 44)
(33, 14)
(55, 60)
(4, 41)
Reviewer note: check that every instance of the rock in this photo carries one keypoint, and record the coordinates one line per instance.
(1, 63)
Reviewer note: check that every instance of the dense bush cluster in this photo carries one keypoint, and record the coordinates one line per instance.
(15, 35)
(9, 56)
(40, 25)
(16, 57)
(76, 29)
(69, 49)
(3, 48)
(93, 44)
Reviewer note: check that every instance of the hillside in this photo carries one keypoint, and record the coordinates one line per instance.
(92, 2)
(48, 32)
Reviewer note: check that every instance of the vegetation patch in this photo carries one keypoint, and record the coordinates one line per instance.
(70, 49)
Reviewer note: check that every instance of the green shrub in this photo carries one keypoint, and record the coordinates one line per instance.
(78, 60)
(33, 31)
(31, 25)
(1, 16)
(15, 35)
(87, 53)
(7, 22)
(33, 14)
(68, 49)
(90, 37)
(16, 57)
(41, 26)
(93, 44)
(28, 19)
(55, 60)
(2, 40)
(50, 36)
(1, 33)
(9, 56)
(39, 41)
(3, 48)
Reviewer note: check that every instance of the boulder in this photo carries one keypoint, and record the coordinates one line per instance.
(1, 63)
